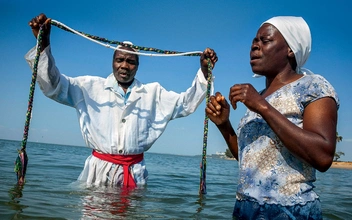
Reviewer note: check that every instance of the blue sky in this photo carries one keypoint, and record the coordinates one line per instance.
(183, 25)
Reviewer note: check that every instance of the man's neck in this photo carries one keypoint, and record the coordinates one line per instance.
(125, 85)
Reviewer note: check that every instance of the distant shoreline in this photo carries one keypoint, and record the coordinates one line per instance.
(342, 164)
(335, 164)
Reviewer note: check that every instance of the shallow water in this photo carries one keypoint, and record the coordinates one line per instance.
(50, 191)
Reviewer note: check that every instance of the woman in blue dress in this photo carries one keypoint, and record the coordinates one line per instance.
(288, 131)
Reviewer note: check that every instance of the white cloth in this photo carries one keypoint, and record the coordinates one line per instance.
(296, 32)
(129, 43)
(109, 125)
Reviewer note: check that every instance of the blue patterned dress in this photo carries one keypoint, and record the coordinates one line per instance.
(269, 173)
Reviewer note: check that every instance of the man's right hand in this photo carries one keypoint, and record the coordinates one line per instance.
(36, 23)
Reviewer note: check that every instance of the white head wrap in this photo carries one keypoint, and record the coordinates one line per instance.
(296, 32)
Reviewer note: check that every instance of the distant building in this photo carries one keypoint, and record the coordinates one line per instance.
(220, 153)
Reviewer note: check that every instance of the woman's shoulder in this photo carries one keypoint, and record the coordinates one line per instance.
(317, 86)
(315, 82)
(319, 82)
(314, 78)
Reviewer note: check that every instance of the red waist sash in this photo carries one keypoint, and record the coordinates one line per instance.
(125, 160)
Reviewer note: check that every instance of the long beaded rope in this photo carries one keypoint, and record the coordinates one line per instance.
(22, 159)
(31, 89)
(99, 40)
(203, 165)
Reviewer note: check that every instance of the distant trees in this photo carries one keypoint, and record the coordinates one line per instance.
(338, 154)
(228, 153)
(338, 137)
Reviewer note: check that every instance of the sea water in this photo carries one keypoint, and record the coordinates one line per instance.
(172, 192)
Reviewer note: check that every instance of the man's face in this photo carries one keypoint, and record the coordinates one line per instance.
(125, 66)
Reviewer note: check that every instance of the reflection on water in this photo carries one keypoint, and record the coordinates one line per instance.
(200, 202)
(138, 203)
(110, 202)
(15, 193)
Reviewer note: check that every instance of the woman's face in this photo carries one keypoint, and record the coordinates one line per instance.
(269, 51)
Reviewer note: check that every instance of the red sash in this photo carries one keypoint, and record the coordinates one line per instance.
(126, 161)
